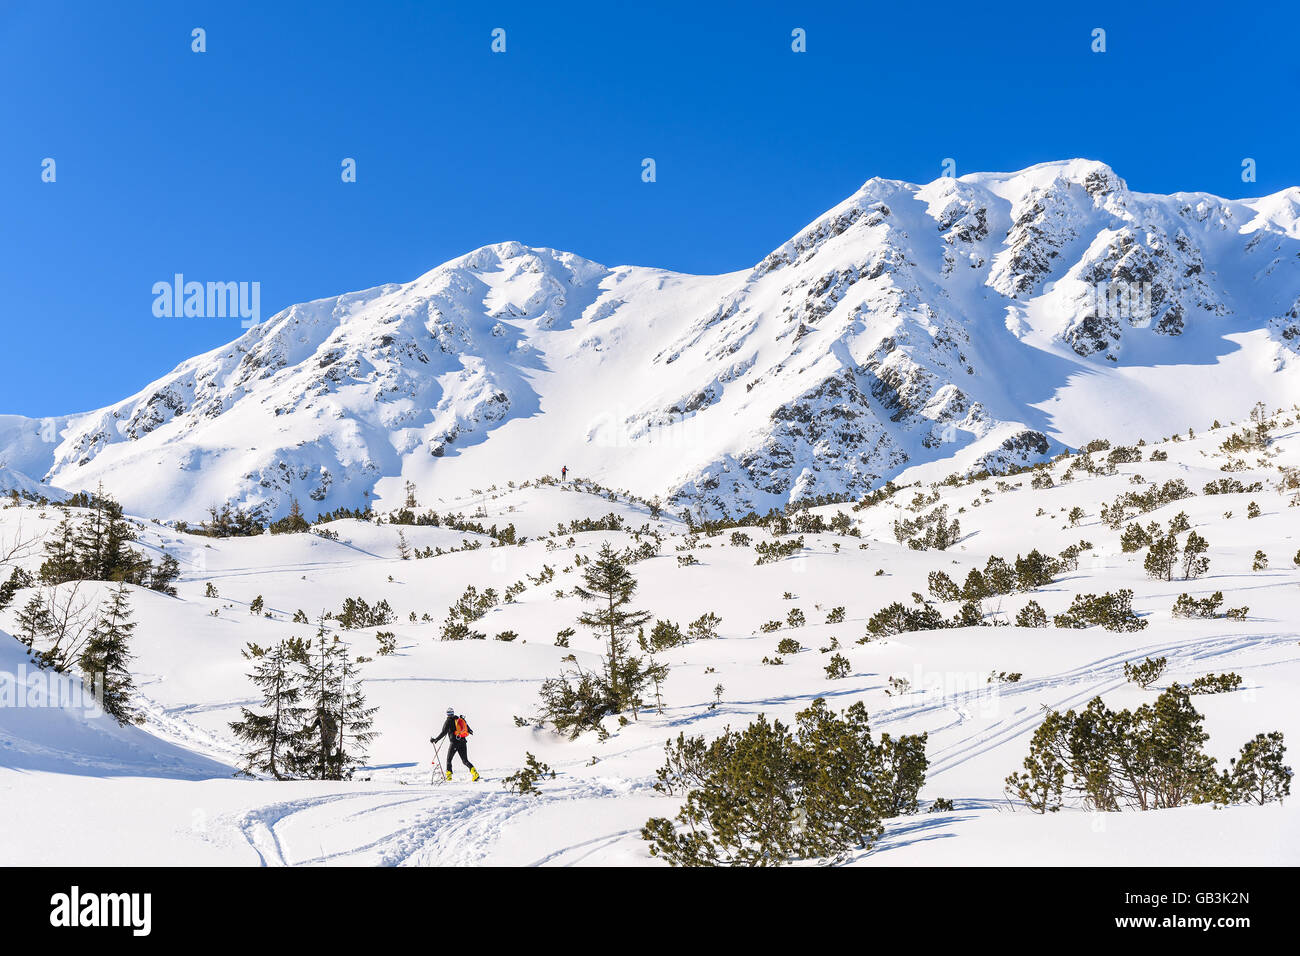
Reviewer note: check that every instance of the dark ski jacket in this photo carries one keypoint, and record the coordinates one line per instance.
(449, 730)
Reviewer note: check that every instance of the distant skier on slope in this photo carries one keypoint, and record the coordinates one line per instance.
(456, 730)
(564, 472)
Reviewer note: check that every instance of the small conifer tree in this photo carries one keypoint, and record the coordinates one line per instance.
(106, 654)
(273, 734)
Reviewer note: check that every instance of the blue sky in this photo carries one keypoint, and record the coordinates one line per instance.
(225, 165)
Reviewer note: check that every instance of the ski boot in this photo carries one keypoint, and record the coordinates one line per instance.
(473, 774)
(448, 774)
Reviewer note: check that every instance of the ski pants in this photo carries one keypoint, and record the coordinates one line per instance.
(456, 745)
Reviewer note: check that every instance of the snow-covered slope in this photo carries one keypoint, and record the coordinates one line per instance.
(28, 487)
(51, 723)
(75, 792)
(985, 319)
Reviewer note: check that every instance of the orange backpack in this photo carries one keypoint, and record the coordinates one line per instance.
(462, 728)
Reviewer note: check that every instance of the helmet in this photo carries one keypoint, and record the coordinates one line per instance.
(451, 711)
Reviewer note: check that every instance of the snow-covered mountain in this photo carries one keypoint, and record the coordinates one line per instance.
(972, 322)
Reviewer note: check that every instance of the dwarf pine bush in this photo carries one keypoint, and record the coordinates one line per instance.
(1113, 611)
(838, 667)
(1188, 606)
(942, 587)
(770, 552)
(1257, 774)
(1032, 615)
(788, 645)
(769, 794)
(525, 779)
(1215, 683)
(1147, 759)
(1146, 673)
(665, 635)
(898, 618)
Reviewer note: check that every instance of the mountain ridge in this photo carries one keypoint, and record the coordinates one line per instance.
(965, 323)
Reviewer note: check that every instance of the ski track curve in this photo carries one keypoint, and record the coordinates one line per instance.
(439, 827)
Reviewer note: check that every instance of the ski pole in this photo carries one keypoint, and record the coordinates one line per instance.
(437, 766)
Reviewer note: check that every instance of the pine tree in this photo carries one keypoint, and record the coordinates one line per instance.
(89, 543)
(763, 796)
(1194, 561)
(1162, 557)
(1134, 538)
(1170, 767)
(1151, 758)
(1257, 774)
(107, 653)
(34, 620)
(842, 793)
(609, 585)
(705, 627)
(18, 579)
(293, 522)
(1032, 615)
(338, 710)
(162, 576)
(664, 635)
(1034, 570)
(273, 735)
(102, 544)
(117, 561)
(97, 549)
(898, 772)
(975, 588)
(1042, 781)
(1259, 426)
(999, 578)
(838, 667)
(357, 719)
(61, 562)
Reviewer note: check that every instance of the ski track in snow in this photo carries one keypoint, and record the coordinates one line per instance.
(448, 825)
(1063, 691)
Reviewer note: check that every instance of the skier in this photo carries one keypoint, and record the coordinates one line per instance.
(456, 730)
(564, 472)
